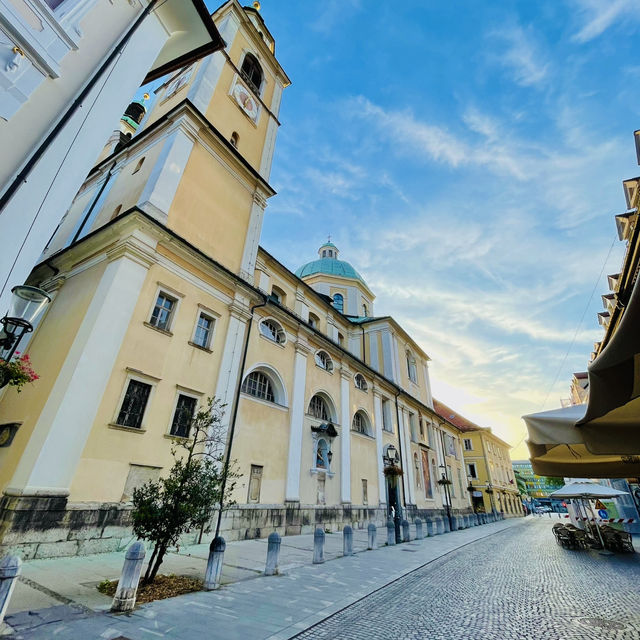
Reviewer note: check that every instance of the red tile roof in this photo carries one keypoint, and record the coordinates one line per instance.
(454, 418)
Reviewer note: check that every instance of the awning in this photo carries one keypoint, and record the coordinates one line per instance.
(588, 490)
(193, 36)
(558, 448)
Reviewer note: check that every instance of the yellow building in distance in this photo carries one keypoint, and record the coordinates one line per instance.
(489, 474)
(163, 297)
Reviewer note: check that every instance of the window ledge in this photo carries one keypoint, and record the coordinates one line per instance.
(122, 427)
(273, 405)
(164, 331)
(272, 341)
(179, 438)
(364, 435)
(329, 371)
(316, 471)
(200, 347)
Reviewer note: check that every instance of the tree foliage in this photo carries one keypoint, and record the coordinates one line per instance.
(187, 497)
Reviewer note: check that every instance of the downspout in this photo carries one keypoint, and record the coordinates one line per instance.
(77, 103)
(234, 415)
(404, 497)
(95, 201)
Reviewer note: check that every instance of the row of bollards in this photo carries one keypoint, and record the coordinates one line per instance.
(125, 597)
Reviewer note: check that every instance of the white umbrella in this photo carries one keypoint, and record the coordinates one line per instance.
(588, 491)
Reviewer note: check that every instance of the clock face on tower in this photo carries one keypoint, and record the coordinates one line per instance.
(245, 100)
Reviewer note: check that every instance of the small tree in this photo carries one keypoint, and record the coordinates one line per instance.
(186, 498)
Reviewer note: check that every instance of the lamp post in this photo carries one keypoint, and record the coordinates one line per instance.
(471, 489)
(27, 303)
(444, 480)
(391, 459)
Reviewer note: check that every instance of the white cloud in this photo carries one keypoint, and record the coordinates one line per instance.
(522, 55)
(598, 15)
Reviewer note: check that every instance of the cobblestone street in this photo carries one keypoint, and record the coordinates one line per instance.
(516, 585)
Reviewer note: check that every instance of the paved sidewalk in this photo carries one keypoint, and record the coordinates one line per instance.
(273, 608)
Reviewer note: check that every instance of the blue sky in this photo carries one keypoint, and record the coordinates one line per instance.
(467, 159)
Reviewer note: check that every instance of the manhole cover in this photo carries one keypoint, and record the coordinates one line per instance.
(601, 623)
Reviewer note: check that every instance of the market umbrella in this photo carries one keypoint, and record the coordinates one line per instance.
(588, 491)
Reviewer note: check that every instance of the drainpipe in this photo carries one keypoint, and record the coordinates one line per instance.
(95, 201)
(234, 415)
(447, 493)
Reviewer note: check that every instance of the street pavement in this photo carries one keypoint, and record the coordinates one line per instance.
(506, 580)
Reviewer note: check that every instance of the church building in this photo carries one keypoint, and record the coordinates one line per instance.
(162, 297)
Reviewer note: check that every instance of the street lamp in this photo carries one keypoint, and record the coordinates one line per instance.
(392, 459)
(27, 303)
(444, 480)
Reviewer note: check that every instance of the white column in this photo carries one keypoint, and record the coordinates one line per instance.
(231, 359)
(30, 218)
(345, 445)
(272, 132)
(427, 382)
(388, 360)
(253, 236)
(162, 185)
(377, 416)
(49, 463)
(301, 307)
(409, 475)
(374, 361)
(296, 413)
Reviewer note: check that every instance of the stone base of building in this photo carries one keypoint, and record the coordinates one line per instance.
(48, 527)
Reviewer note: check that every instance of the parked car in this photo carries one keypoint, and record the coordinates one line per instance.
(543, 509)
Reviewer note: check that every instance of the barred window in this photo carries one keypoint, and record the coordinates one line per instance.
(360, 382)
(185, 410)
(134, 404)
(360, 423)
(324, 361)
(318, 408)
(257, 384)
(272, 330)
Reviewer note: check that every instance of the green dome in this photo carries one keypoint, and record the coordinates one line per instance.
(329, 266)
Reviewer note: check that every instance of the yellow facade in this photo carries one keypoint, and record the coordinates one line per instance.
(182, 227)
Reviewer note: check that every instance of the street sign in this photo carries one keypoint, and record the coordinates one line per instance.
(599, 505)
(603, 514)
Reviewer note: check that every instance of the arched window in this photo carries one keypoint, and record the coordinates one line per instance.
(278, 295)
(273, 331)
(319, 409)
(322, 454)
(361, 423)
(338, 302)
(234, 139)
(324, 361)
(360, 382)
(340, 339)
(314, 321)
(365, 310)
(412, 371)
(324, 253)
(252, 72)
(259, 385)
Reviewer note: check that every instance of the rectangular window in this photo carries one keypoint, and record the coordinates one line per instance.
(134, 404)
(365, 494)
(255, 483)
(204, 329)
(185, 410)
(387, 422)
(471, 467)
(163, 312)
(468, 446)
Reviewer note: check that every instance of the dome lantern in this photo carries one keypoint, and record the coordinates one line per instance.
(328, 250)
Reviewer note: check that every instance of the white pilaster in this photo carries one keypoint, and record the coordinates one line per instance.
(253, 236)
(388, 357)
(272, 132)
(377, 416)
(345, 445)
(296, 413)
(427, 384)
(49, 463)
(231, 359)
(409, 474)
(301, 307)
(162, 185)
(374, 359)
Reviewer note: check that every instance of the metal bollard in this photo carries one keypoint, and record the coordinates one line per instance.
(9, 572)
(418, 529)
(214, 564)
(125, 598)
(406, 536)
(372, 530)
(318, 546)
(273, 553)
(391, 532)
(347, 541)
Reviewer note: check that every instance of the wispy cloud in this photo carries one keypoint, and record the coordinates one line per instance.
(522, 55)
(598, 15)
